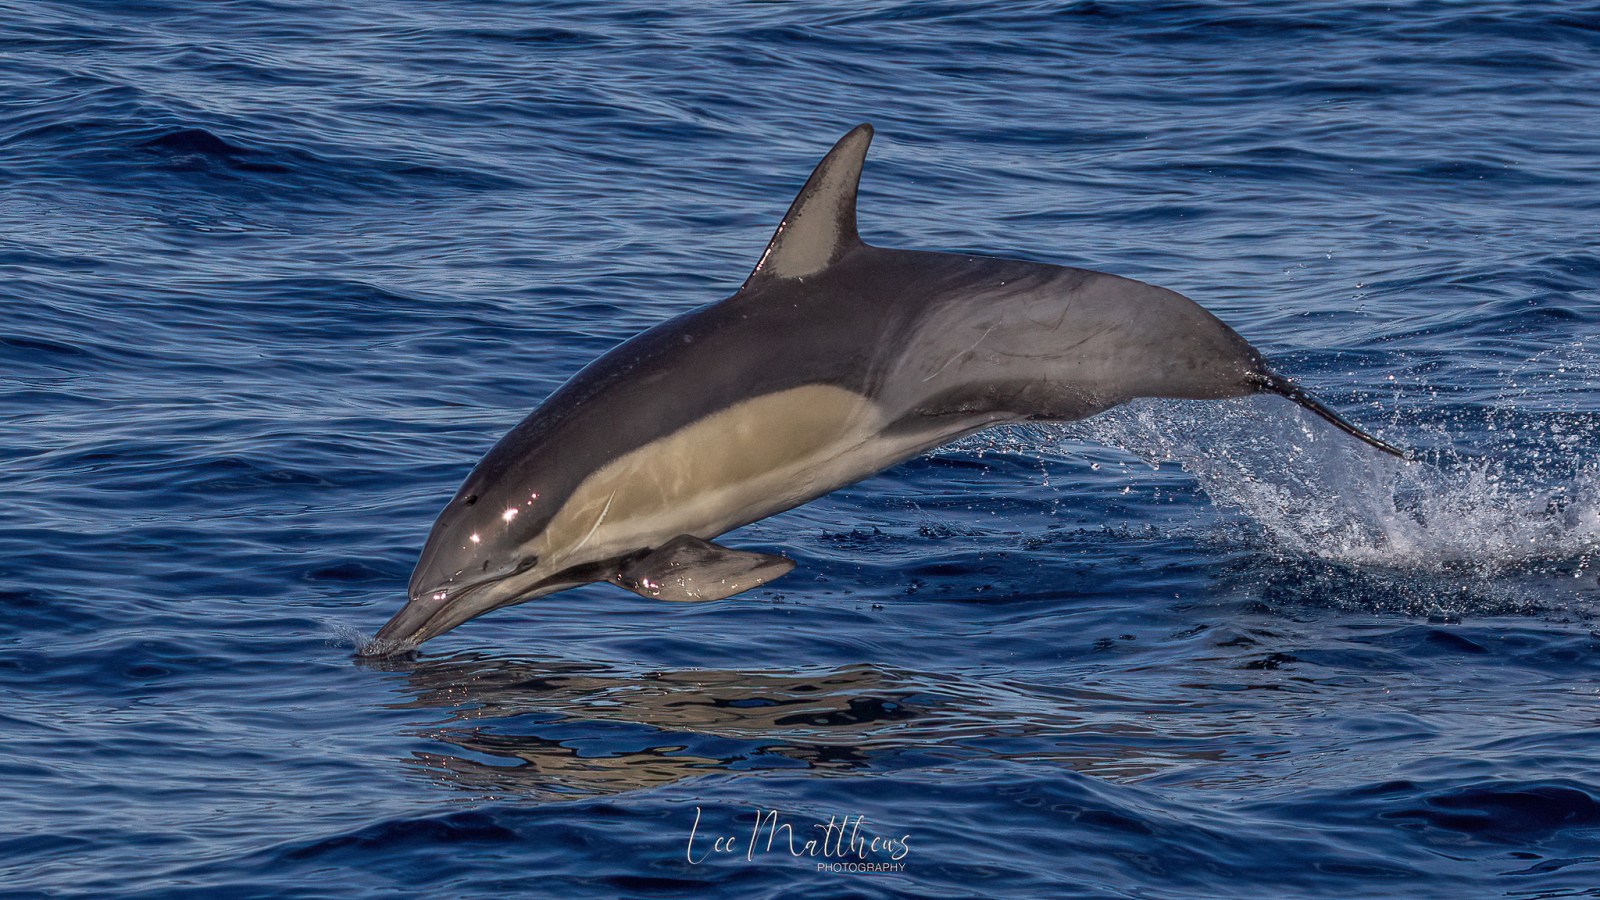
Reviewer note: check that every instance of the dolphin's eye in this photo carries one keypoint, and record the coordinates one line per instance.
(471, 499)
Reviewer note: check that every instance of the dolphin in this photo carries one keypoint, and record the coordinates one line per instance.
(835, 360)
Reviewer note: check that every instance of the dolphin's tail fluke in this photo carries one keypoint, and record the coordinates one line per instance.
(1277, 384)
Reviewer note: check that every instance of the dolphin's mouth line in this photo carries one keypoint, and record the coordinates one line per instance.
(389, 641)
(450, 601)
(438, 621)
(455, 592)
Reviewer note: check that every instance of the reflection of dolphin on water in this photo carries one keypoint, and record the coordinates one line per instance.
(835, 360)
(559, 730)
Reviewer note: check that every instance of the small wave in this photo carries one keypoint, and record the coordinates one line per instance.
(1500, 812)
(188, 145)
(143, 139)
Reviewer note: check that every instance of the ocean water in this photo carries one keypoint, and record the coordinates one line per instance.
(276, 274)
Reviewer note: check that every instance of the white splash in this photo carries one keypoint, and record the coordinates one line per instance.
(1317, 492)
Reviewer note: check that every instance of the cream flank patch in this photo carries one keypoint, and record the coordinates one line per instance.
(732, 467)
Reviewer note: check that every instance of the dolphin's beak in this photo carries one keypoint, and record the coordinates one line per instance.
(432, 613)
(425, 616)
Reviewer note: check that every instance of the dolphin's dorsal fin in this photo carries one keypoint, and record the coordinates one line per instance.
(820, 226)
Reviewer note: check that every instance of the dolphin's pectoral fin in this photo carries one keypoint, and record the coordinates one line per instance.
(688, 569)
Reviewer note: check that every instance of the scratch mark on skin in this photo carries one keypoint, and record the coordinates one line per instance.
(596, 526)
(952, 359)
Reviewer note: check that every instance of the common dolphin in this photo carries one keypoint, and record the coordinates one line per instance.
(833, 361)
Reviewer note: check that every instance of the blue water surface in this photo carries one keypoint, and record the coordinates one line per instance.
(276, 274)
